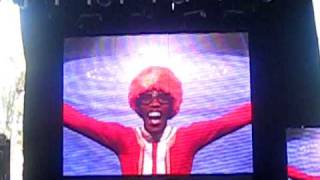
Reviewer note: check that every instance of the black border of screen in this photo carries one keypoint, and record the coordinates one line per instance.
(284, 77)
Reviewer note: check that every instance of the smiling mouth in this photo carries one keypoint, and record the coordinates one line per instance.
(155, 117)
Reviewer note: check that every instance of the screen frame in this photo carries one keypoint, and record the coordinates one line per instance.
(278, 96)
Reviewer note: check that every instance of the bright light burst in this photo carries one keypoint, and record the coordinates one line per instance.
(316, 7)
(157, 56)
(12, 69)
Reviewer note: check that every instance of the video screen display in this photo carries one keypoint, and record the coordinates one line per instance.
(155, 104)
(303, 153)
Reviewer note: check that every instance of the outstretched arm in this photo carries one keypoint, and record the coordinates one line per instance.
(109, 134)
(202, 133)
(296, 174)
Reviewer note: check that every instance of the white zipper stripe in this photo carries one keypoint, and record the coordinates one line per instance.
(162, 152)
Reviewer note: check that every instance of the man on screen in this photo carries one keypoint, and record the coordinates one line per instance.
(156, 148)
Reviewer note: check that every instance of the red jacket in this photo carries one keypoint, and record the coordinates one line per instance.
(173, 154)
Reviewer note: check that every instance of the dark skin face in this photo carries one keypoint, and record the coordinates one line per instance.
(155, 108)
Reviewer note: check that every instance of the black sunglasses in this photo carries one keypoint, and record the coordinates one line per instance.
(147, 98)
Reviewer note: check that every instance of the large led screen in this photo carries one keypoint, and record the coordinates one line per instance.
(303, 153)
(157, 104)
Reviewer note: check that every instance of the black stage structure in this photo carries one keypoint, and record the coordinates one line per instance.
(284, 66)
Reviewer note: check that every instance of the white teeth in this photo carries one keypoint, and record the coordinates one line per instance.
(155, 117)
(154, 114)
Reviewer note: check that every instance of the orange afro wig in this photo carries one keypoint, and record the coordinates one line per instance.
(156, 78)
